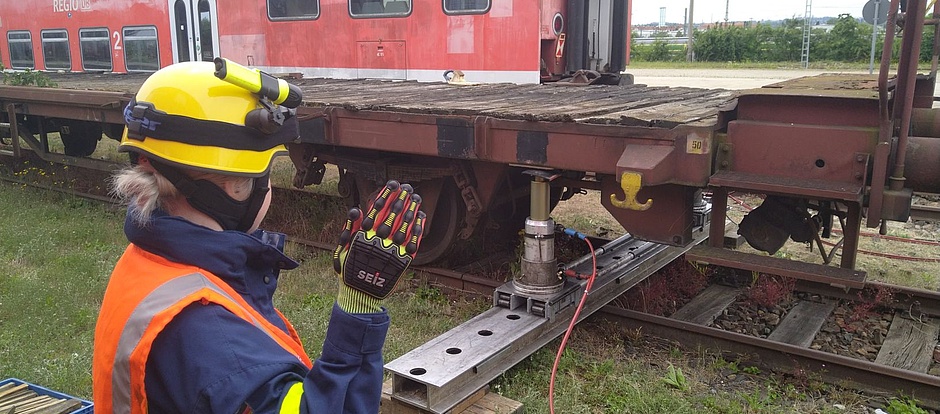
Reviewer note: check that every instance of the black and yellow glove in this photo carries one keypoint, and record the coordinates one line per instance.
(375, 250)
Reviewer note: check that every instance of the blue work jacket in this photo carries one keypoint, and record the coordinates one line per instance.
(209, 360)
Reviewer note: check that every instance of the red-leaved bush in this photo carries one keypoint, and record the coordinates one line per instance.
(769, 290)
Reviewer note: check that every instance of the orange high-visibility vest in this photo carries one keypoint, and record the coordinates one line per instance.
(144, 294)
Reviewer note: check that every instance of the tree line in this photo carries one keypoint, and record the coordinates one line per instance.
(848, 41)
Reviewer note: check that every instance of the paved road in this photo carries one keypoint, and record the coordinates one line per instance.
(721, 78)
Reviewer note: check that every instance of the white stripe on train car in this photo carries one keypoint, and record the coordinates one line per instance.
(420, 75)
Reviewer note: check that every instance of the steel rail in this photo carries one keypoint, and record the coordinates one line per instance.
(30, 159)
(59, 189)
(926, 213)
(799, 361)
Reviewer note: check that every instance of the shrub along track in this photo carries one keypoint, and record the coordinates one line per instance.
(882, 339)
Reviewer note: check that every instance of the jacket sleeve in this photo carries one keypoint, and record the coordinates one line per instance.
(347, 378)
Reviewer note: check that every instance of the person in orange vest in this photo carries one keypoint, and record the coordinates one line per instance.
(187, 323)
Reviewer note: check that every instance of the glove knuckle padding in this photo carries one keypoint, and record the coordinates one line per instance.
(374, 265)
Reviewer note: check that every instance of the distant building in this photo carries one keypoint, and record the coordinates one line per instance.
(674, 32)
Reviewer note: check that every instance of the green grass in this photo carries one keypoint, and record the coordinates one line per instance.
(57, 252)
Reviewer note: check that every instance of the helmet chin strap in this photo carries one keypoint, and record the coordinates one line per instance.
(212, 200)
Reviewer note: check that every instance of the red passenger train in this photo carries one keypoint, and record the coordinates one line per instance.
(519, 41)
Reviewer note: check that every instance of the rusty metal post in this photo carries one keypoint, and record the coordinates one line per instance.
(716, 231)
(936, 45)
(880, 162)
(14, 130)
(850, 234)
(907, 67)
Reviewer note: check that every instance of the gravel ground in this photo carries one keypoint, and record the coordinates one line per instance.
(721, 78)
(727, 78)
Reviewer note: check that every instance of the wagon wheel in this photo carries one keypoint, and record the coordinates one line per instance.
(80, 138)
(444, 222)
(444, 225)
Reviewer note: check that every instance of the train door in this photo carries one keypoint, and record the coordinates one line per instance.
(597, 35)
(195, 30)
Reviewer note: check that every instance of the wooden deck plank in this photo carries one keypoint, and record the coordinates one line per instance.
(526, 105)
(690, 106)
(705, 307)
(680, 109)
(391, 95)
(801, 323)
(598, 108)
(599, 104)
(484, 97)
(910, 344)
(511, 100)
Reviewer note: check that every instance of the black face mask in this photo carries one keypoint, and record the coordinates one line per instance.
(210, 199)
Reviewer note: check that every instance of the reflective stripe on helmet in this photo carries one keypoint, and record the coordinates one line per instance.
(291, 402)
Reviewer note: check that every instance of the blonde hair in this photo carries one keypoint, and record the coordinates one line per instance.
(145, 190)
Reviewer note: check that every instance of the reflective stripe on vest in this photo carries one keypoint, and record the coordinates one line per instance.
(145, 293)
(157, 301)
(291, 402)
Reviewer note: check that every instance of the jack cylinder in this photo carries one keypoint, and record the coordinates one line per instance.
(539, 274)
(539, 266)
(538, 204)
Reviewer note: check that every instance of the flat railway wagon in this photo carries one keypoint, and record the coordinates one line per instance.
(518, 41)
(823, 150)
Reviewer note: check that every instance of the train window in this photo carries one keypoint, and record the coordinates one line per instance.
(466, 6)
(55, 49)
(205, 31)
(293, 9)
(21, 50)
(140, 49)
(379, 8)
(96, 49)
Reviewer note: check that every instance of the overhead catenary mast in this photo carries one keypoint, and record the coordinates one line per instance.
(807, 27)
(727, 3)
(688, 49)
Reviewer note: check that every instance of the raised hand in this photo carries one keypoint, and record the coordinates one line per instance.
(375, 249)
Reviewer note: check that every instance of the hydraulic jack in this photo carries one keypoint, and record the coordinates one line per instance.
(528, 312)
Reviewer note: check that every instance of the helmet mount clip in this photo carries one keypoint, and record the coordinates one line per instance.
(269, 118)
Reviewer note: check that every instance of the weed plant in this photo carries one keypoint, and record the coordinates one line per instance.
(27, 77)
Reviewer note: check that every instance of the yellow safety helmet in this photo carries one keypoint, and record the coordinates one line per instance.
(186, 116)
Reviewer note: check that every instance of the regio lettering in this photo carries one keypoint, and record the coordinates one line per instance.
(59, 6)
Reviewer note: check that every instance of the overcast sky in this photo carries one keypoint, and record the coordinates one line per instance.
(706, 11)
